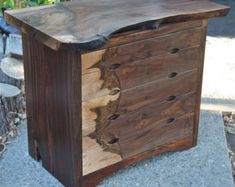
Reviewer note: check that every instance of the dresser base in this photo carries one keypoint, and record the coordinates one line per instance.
(93, 179)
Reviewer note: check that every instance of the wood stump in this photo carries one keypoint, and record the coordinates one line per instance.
(12, 72)
(14, 44)
(11, 103)
(12, 94)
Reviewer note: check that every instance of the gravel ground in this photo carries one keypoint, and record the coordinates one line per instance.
(229, 122)
(206, 165)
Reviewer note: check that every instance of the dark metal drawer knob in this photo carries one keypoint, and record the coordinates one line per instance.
(170, 120)
(115, 91)
(174, 50)
(113, 141)
(172, 75)
(114, 116)
(171, 98)
(114, 66)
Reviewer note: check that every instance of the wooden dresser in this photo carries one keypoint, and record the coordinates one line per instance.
(111, 82)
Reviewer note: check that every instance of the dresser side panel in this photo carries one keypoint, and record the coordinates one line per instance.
(53, 95)
(199, 82)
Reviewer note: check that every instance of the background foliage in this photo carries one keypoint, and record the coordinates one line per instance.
(14, 4)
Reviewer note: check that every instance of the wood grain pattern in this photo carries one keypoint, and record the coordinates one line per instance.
(97, 113)
(141, 50)
(53, 98)
(156, 134)
(137, 35)
(141, 117)
(129, 75)
(94, 178)
(88, 24)
(149, 127)
(126, 117)
(132, 100)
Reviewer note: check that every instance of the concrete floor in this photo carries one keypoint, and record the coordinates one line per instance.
(206, 165)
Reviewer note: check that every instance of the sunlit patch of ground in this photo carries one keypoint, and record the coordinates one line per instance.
(219, 69)
(218, 92)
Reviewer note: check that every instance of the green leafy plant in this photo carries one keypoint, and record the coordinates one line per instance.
(14, 4)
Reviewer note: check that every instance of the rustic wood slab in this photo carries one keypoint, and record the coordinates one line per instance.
(13, 68)
(12, 72)
(88, 24)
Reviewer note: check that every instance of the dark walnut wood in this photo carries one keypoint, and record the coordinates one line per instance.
(88, 24)
(54, 109)
(110, 83)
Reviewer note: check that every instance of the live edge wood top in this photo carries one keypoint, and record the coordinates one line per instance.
(88, 24)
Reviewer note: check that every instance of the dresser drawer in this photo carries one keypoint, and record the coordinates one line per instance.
(106, 119)
(142, 130)
(100, 109)
(137, 140)
(121, 38)
(141, 72)
(138, 96)
(141, 50)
